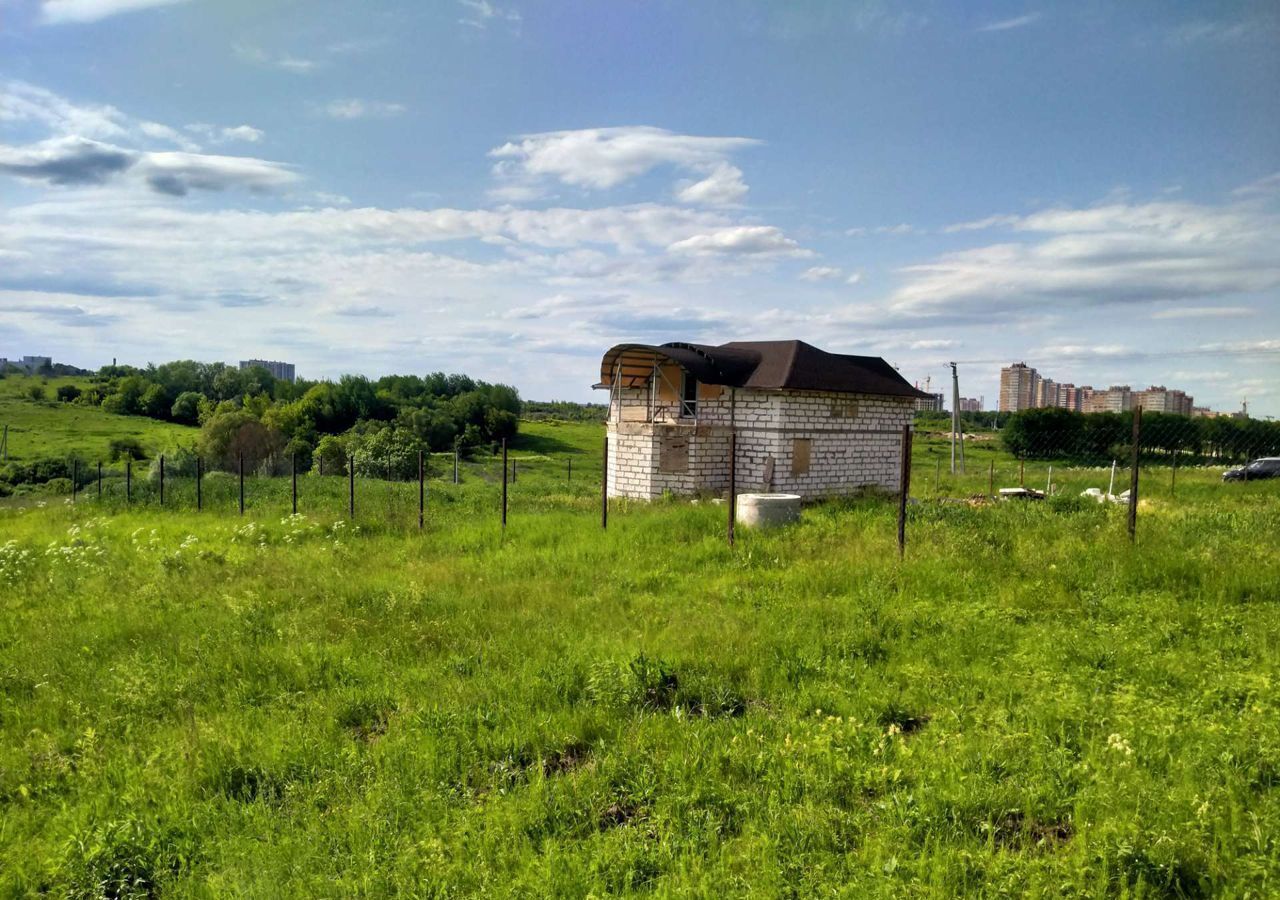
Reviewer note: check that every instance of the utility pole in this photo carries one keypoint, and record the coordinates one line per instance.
(956, 434)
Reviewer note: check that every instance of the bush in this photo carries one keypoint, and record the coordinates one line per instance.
(125, 448)
(179, 461)
(68, 393)
(36, 392)
(56, 486)
(331, 456)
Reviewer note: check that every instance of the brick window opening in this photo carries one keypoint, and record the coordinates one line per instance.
(800, 448)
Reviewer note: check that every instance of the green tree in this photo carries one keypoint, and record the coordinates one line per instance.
(186, 408)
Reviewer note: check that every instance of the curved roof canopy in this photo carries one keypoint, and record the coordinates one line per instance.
(763, 365)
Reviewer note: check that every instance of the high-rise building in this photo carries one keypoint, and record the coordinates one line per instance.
(970, 404)
(281, 371)
(1019, 387)
(932, 403)
(1117, 398)
(1158, 398)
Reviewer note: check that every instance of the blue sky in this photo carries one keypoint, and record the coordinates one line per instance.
(509, 188)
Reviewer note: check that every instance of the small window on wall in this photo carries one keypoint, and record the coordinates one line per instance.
(800, 448)
(688, 395)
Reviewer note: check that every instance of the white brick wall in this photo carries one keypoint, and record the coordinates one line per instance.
(848, 453)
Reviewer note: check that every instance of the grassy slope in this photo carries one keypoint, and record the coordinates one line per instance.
(49, 428)
(1026, 705)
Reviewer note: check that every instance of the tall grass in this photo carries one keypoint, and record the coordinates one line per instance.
(203, 705)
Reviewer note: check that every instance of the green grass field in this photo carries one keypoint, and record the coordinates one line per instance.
(48, 428)
(200, 705)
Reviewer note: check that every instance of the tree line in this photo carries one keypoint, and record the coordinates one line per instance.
(1052, 433)
(272, 423)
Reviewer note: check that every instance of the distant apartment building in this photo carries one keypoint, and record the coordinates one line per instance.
(1117, 398)
(281, 371)
(930, 403)
(1161, 399)
(1019, 387)
(970, 404)
(29, 364)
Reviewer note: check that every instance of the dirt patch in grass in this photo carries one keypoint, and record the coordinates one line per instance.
(1016, 831)
(367, 719)
(905, 720)
(618, 813)
(572, 756)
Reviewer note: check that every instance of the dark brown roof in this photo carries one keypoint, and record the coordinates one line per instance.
(764, 365)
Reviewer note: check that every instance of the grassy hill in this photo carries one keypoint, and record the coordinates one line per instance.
(49, 428)
(196, 705)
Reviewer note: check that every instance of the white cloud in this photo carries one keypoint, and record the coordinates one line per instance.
(286, 62)
(1008, 24)
(481, 13)
(74, 161)
(821, 273)
(178, 173)
(933, 344)
(753, 240)
(242, 133)
(354, 108)
(723, 187)
(1116, 253)
(854, 278)
(78, 153)
(1204, 312)
(603, 158)
(900, 228)
(61, 12)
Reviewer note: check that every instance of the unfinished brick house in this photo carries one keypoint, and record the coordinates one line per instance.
(806, 421)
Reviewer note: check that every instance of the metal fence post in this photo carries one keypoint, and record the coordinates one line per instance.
(1022, 472)
(162, 479)
(504, 482)
(99, 479)
(569, 477)
(241, 483)
(604, 485)
(455, 465)
(1133, 474)
(422, 494)
(991, 479)
(904, 488)
(293, 479)
(733, 484)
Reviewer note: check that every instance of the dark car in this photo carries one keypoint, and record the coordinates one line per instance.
(1267, 467)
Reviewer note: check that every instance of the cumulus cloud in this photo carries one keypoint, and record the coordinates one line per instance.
(603, 158)
(61, 12)
(354, 108)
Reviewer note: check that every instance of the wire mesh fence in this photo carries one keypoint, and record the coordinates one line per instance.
(1045, 455)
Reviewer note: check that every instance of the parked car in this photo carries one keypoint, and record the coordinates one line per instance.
(1267, 467)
